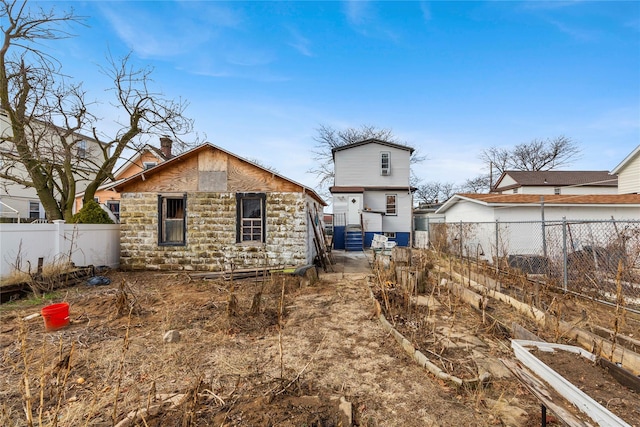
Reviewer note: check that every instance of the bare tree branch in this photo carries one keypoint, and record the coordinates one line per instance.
(50, 120)
(329, 138)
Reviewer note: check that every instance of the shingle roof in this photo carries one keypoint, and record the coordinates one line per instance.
(373, 141)
(559, 178)
(494, 200)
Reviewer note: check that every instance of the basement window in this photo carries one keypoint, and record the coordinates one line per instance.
(172, 224)
(251, 217)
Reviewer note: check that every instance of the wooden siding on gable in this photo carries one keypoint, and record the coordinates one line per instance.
(210, 171)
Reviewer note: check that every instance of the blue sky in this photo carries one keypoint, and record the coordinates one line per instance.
(449, 78)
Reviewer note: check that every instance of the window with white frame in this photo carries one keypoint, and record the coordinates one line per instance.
(81, 149)
(385, 163)
(390, 234)
(251, 217)
(172, 223)
(556, 190)
(391, 205)
(148, 165)
(114, 207)
(34, 210)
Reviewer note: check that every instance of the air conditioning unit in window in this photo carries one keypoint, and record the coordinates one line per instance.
(386, 171)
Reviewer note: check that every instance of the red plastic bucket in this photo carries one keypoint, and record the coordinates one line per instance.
(56, 316)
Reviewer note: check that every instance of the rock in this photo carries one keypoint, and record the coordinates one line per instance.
(347, 410)
(171, 336)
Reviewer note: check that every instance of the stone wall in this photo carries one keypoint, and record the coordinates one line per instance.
(211, 234)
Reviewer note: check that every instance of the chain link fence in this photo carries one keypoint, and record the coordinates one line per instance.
(600, 259)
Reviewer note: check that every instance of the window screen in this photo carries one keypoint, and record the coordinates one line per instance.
(251, 217)
(172, 220)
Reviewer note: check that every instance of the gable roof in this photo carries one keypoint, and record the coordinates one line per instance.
(627, 160)
(558, 179)
(133, 159)
(501, 200)
(143, 175)
(372, 141)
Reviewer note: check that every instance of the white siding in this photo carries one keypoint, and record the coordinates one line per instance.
(474, 212)
(377, 201)
(567, 190)
(506, 181)
(82, 244)
(360, 166)
(629, 177)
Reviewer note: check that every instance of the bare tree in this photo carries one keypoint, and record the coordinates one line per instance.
(479, 184)
(434, 192)
(329, 138)
(537, 155)
(50, 121)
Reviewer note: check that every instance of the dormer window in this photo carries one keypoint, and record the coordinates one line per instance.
(149, 165)
(385, 163)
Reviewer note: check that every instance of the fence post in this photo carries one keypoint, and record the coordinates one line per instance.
(428, 234)
(497, 262)
(460, 240)
(544, 238)
(58, 243)
(565, 275)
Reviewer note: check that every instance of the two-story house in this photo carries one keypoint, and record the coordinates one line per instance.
(556, 182)
(143, 159)
(628, 173)
(20, 201)
(371, 193)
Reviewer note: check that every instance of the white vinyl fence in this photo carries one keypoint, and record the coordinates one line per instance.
(83, 244)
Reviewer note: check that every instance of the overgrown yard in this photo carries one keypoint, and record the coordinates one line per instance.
(278, 352)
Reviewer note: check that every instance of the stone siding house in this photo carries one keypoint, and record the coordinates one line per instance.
(210, 210)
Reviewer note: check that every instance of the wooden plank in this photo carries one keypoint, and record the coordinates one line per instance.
(621, 375)
(320, 248)
(182, 176)
(246, 177)
(521, 333)
(623, 340)
(540, 391)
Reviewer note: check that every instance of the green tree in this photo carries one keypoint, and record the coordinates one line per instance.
(92, 213)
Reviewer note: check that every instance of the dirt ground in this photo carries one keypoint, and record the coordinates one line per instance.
(273, 352)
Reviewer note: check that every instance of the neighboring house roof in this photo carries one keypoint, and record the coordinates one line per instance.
(353, 189)
(557, 179)
(372, 141)
(133, 159)
(176, 160)
(108, 184)
(502, 200)
(627, 160)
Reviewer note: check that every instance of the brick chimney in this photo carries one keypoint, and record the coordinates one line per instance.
(165, 146)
